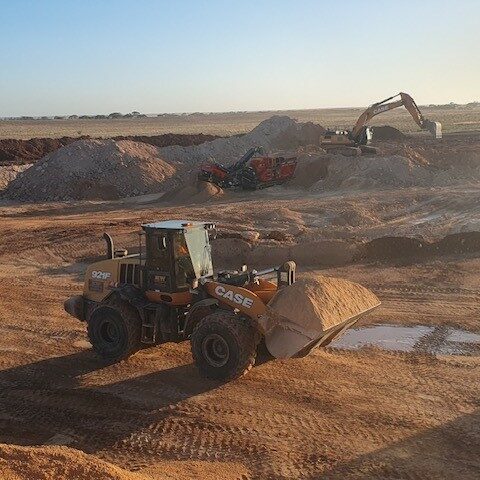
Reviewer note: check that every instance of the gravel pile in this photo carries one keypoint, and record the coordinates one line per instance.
(94, 169)
(110, 169)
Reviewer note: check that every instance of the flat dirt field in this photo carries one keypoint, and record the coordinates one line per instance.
(460, 118)
(338, 413)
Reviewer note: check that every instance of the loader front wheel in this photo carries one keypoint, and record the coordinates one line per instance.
(223, 346)
(114, 335)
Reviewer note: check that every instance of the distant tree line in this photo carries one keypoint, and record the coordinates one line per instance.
(133, 114)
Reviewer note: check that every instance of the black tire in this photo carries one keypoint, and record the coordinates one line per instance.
(114, 333)
(224, 346)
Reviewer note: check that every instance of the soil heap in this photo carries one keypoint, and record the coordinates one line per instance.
(386, 132)
(109, 169)
(20, 152)
(277, 132)
(196, 192)
(300, 313)
(54, 463)
(64, 463)
(10, 172)
(94, 169)
(333, 172)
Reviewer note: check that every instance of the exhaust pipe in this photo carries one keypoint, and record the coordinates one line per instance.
(109, 242)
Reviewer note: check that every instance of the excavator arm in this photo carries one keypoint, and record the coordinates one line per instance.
(435, 128)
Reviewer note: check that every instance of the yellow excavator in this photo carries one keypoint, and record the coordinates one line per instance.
(361, 135)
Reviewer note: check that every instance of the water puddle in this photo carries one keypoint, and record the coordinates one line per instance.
(419, 338)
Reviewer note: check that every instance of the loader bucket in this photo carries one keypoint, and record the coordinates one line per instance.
(311, 313)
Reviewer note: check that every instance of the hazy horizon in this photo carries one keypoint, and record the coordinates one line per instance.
(156, 114)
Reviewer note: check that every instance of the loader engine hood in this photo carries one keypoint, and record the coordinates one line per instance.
(101, 277)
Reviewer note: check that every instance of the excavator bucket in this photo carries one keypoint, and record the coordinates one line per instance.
(311, 313)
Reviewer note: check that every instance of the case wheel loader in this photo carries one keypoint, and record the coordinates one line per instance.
(168, 292)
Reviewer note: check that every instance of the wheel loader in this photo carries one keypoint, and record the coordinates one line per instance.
(169, 292)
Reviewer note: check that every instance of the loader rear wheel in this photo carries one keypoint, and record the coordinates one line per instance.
(114, 334)
(223, 346)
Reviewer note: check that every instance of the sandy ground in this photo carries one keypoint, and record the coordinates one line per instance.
(460, 118)
(334, 414)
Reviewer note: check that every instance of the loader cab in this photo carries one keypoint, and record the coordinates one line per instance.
(177, 252)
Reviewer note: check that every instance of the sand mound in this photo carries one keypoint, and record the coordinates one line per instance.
(19, 152)
(199, 192)
(63, 463)
(386, 132)
(109, 169)
(56, 463)
(388, 247)
(10, 172)
(91, 169)
(277, 132)
(331, 172)
(413, 249)
(310, 169)
(337, 172)
(320, 303)
(312, 310)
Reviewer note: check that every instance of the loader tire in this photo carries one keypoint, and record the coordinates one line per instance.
(114, 333)
(224, 346)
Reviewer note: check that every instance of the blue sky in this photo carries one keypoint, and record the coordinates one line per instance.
(85, 56)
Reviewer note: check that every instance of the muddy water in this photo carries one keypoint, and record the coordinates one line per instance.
(423, 339)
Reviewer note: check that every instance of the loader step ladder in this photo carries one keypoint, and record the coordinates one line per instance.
(149, 326)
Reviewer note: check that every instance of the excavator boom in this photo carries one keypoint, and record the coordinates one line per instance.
(435, 128)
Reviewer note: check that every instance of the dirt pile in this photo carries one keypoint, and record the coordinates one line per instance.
(197, 192)
(414, 249)
(94, 169)
(310, 169)
(169, 139)
(331, 172)
(277, 132)
(109, 169)
(10, 172)
(63, 463)
(299, 315)
(320, 303)
(386, 132)
(373, 172)
(233, 252)
(55, 463)
(19, 152)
